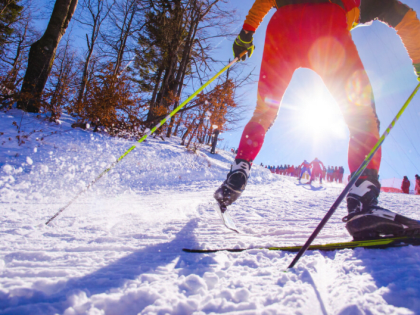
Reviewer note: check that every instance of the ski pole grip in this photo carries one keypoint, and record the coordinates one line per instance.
(242, 54)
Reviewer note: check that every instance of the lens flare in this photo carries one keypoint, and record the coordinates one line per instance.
(272, 102)
(359, 90)
(320, 55)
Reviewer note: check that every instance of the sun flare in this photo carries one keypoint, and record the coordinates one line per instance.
(320, 117)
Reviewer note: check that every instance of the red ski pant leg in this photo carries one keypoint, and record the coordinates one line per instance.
(336, 60)
(277, 69)
(352, 90)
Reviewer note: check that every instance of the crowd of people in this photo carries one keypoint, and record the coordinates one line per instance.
(405, 185)
(315, 170)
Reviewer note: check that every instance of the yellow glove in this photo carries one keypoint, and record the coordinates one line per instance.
(417, 70)
(243, 42)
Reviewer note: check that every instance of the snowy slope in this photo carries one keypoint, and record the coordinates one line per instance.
(117, 249)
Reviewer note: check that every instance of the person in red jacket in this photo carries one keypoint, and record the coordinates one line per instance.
(405, 185)
(316, 170)
(417, 187)
(315, 34)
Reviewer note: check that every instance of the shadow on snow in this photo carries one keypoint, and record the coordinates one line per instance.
(115, 275)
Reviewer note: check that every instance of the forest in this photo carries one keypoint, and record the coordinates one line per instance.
(121, 66)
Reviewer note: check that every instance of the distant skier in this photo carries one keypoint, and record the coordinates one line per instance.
(306, 167)
(315, 34)
(405, 185)
(417, 187)
(316, 170)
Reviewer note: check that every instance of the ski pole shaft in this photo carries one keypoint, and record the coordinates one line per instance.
(148, 133)
(352, 181)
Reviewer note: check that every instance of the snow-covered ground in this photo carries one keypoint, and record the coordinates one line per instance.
(118, 248)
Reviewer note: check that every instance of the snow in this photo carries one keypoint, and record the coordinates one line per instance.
(117, 249)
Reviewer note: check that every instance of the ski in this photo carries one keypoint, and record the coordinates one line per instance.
(380, 243)
(302, 184)
(226, 219)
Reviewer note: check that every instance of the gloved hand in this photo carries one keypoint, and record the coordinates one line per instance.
(417, 70)
(243, 42)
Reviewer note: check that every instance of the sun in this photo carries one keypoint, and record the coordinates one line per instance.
(320, 117)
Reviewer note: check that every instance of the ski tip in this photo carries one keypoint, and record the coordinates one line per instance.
(226, 219)
(233, 229)
(231, 226)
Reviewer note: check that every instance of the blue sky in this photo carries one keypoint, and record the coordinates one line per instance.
(292, 138)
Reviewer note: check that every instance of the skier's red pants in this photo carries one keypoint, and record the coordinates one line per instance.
(316, 172)
(314, 36)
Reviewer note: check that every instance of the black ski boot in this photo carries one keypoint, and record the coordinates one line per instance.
(366, 220)
(363, 194)
(378, 222)
(361, 197)
(234, 184)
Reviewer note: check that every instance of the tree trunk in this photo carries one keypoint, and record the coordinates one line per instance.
(200, 122)
(184, 136)
(171, 125)
(150, 114)
(178, 124)
(179, 81)
(85, 75)
(170, 62)
(192, 136)
(42, 53)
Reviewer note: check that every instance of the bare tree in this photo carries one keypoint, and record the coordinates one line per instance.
(61, 86)
(42, 54)
(97, 12)
(126, 21)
